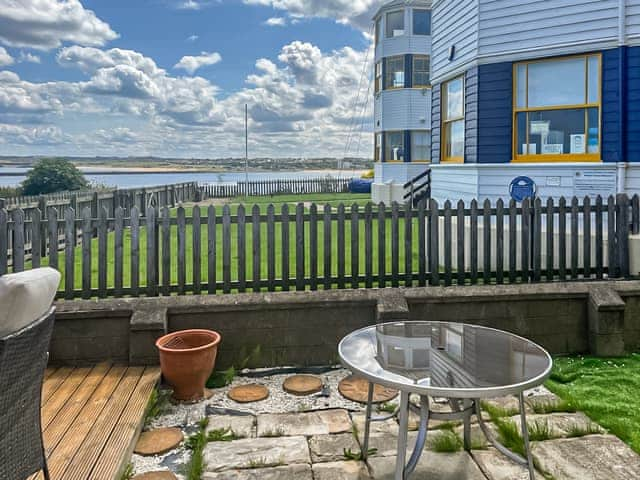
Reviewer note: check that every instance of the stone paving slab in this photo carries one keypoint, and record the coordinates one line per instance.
(594, 457)
(388, 426)
(386, 443)
(252, 452)
(560, 424)
(297, 472)
(498, 467)
(341, 471)
(331, 448)
(311, 423)
(440, 466)
(240, 425)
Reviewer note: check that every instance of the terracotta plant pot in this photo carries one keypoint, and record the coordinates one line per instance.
(187, 359)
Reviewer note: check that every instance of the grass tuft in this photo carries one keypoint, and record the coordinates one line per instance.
(446, 441)
(539, 431)
(157, 405)
(496, 411)
(128, 473)
(580, 430)
(561, 406)
(357, 456)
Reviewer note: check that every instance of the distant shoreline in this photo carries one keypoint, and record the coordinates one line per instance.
(173, 170)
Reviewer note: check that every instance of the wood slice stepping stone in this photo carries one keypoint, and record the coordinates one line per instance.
(302, 385)
(248, 393)
(356, 389)
(158, 441)
(164, 475)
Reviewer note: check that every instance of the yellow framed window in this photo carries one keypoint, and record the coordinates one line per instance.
(394, 146)
(378, 83)
(395, 72)
(557, 109)
(453, 126)
(421, 71)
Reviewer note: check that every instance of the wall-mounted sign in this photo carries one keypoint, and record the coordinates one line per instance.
(521, 188)
(595, 182)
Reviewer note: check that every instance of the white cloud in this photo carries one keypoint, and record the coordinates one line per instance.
(192, 38)
(16, 134)
(28, 57)
(190, 5)
(5, 58)
(192, 63)
(354, 12)
(276, 22)
(301, 104)
(45, 24)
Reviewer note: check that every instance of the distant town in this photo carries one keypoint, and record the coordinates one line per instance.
(207, 165)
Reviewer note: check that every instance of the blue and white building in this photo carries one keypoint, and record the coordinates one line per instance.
(545, 89)
(402, 105)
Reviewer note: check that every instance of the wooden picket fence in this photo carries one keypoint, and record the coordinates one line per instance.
(221, 251)
(276, 187)
(37, 207)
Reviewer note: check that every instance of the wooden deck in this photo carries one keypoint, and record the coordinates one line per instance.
(91, 418)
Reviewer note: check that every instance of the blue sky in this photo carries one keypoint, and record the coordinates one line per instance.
(170, 77)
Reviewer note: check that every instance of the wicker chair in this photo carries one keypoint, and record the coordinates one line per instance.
(23, 360)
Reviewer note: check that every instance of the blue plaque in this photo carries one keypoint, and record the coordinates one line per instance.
(521, 188)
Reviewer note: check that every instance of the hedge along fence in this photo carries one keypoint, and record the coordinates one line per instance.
(220, 251)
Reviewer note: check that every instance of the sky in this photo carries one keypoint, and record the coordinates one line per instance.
(170, 78)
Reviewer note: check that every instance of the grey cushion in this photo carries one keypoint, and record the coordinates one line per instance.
(25, 297)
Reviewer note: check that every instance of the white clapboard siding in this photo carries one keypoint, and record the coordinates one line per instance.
(454, 23)
(507, 26)
(633, 21)
(406, 109)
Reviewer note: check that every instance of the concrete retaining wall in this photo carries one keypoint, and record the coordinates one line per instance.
(304, 328)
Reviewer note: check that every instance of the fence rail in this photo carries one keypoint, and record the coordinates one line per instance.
(95, 201)
(217, 250)
(276, 187)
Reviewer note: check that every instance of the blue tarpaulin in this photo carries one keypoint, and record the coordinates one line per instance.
(360, 186)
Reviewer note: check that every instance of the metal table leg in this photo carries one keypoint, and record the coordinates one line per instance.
(525, 436)
(525, 462)
(403, 421)
(367, 423)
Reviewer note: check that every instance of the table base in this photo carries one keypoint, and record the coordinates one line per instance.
(460, 410)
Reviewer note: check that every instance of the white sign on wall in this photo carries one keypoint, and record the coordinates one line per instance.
(595, 182)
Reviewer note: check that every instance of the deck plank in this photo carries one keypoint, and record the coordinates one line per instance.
(68, 414)
(62, 395)
(89, 452)
(53, 382)
(69, 444)
(114, 457)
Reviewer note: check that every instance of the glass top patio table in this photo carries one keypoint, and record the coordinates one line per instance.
(450, 360)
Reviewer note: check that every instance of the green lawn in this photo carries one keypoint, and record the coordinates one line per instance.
(321, 200)
(607, 390)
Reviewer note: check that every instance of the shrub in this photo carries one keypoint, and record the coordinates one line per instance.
(52, 175)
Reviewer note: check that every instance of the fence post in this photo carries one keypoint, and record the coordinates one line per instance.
(4, 241)
(623, 235)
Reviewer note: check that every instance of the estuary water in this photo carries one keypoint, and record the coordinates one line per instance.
(14, 176)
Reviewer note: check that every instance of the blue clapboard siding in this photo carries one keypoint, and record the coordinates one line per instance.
(633, 104)
(495, 117)
(611, 114)
(435, 123)
(471, 116)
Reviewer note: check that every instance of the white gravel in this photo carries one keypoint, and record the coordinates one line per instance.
(186, 417)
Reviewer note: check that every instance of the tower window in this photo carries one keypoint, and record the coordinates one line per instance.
(421, 22)
(395, 72)
(395, 24)
(421, 71)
